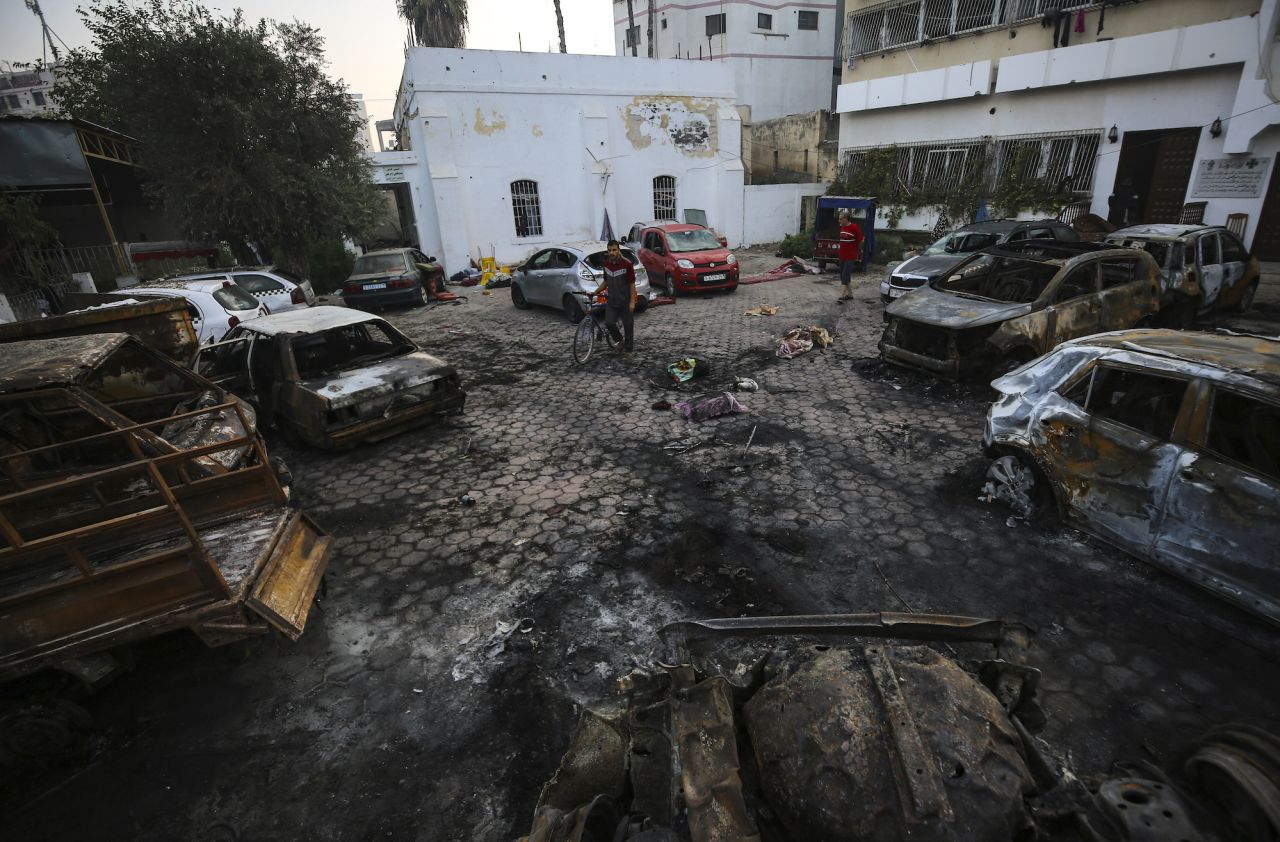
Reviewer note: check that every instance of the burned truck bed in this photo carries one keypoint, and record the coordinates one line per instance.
(137, 498)
(163, 324)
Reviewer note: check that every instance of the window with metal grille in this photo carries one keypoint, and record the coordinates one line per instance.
(807, 20)
(664, 197)
(37, 97)
(902, 23)
(633, 36)
(717, 24)
(527, 210)
(764, 21)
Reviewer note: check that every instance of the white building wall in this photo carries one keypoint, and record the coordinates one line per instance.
(1164, 80)
(27, 93)
(592, 131)
(781, 71)
(772, 211)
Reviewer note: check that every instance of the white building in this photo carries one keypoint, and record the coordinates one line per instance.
(26, 92)
(1172, 97)
(502, 153)
(781, 52)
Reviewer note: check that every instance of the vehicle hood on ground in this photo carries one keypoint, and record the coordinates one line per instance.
(929, 265)
(929, 306)
(400, 374)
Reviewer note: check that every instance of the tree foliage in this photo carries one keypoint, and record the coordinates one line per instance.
(436, 23)
(244, 137)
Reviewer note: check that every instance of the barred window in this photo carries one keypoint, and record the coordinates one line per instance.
(764, 21)
(901, 23)
(527, 209)
(664, 197)
(807, 20)
(716, 24)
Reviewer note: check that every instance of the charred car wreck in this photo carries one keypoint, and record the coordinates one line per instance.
(811, 737)
(1163, 443)
(333, 377)
(137, 498)
(1008, 304)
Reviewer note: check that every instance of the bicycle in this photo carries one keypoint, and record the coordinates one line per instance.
(589, 330)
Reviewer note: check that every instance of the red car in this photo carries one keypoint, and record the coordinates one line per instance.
(680, 257)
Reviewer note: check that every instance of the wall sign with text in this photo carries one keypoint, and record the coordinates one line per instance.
(1234, 177)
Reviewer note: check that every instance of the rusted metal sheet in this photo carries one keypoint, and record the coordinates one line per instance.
(284, 590)
(881, 624)
(164, 325)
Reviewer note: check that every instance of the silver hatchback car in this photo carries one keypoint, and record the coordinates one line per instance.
(551, 277)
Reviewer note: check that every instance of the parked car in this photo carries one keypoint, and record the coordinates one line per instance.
(1009, 304)
(691, 216)
(332, 377)
(940, 258)
(687, 258)
(1202, 267)
(277, 288)
(551, 277)
(216, 305)
(389, 278)
(1164, 443)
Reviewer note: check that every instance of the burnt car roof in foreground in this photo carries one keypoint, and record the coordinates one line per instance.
(1161, 231)
(1243, 353)
(309, 320)
(54, 362)
(1049, 251)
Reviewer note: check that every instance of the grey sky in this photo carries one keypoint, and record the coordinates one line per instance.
(364, 39)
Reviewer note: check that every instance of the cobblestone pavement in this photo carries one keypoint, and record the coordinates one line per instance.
(404, 712)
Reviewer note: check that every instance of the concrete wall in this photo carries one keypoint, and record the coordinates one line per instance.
(1026, 37)
(793, 149)
(780, 71)
(772, 211)
(592, 131)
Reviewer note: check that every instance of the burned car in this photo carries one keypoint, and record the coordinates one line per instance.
(1202, 268)
(1009, 304)
(1163, 443)
(332, 377)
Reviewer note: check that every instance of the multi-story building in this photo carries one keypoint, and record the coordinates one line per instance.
(782, 53)
(1168, 105)
(27, 92)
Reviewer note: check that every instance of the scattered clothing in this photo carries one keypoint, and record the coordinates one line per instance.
(762, 310)
(710, 406)
(745, 384)
(662, 405)
(798, 340)
(1079, 21)
(682, 370)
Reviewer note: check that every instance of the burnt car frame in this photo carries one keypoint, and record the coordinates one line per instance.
(1007, 305)
(1202, 268)
(332, 377)
(1163, 443)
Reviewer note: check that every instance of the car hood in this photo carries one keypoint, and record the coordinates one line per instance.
(930, 306)
(929, 265)
(400, 374)
(718, 255)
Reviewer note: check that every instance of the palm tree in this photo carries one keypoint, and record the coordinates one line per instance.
(560, 26)
(436, 23)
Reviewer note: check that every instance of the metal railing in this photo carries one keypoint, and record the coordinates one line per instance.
(905, 23)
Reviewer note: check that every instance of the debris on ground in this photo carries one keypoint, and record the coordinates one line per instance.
(792, 267)
(688, 368)
(710, 406)
(662, 405)
(798, 340)
(1009, 482)
(745, 384)
(762, 310)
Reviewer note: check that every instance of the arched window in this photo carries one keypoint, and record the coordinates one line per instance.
(526, 208)
(664, 197)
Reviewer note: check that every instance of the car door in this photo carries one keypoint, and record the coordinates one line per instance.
(266, 289)
(1220, 514)
(537, 278)
(565, 265)
(1211, 274)
(1111, 447)
(1125, 298)
(1235, 260)
(648, 256)
(1074, 305)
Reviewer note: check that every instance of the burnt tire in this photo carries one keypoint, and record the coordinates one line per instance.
(1015, 480)
(518, 299)
(572, 309)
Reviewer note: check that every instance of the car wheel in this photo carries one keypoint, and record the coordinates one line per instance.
(669, 287)
(1246, 300)
(1016, 481)
(732, 289)
(572, 309)
(642, 303)
(421, 299)
(517, 298)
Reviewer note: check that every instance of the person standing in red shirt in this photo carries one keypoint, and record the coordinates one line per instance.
(850, 253)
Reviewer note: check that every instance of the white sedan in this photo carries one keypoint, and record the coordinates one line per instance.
(216, 305)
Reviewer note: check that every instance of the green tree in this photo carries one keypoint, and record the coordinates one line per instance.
(436, 23)
(244, 137)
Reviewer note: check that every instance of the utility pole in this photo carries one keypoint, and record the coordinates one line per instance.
(631, 24)
(48, 33)
(652, 13)
(560, 25)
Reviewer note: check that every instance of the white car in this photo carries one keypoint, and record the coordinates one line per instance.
(216, 305)
(280, 290)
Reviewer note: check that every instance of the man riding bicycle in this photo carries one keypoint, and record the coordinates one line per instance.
(619, 285)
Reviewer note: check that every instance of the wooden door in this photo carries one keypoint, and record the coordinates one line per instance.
(1175, 157)
(1266, 240)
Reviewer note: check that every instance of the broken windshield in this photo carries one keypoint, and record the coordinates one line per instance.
(349, 346)
(699, 239)
(997, 278)
(963, 242)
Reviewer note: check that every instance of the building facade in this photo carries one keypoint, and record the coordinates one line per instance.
(503, 153)
(1167, 102)
(797, 148)
(27, 93)
(782, 54)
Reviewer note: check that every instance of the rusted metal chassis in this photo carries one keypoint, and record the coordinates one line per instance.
(170, 587)
(163, 325)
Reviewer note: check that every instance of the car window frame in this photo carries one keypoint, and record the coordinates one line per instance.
(533, 267)
(1201, 445)
(1135, 262)
(1225, 236)
(280, 285)
(1054, 287)
(1200, 244)
(1177, 432)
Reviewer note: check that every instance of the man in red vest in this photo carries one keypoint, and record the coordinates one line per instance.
(850, 253)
